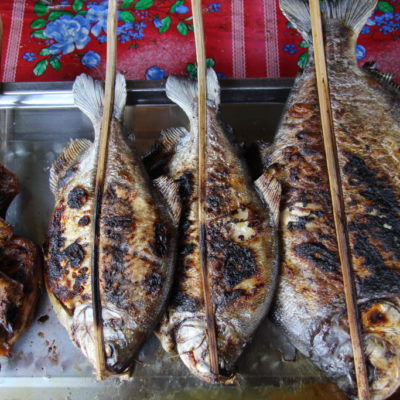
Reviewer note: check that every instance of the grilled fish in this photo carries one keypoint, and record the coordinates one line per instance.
(136, 240)
(20, 272)
(310, 304)
(240, 233)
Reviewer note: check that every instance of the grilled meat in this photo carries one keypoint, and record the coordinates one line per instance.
(310, 304)
(136, 241)
(240, 235)
(20, 272)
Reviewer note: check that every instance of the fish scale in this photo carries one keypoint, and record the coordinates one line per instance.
(136, 239)
(310, 303)
(240, 239)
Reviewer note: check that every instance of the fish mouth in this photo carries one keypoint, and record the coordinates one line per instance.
(192, 347)
(116, 362)
(384, 367)
(120, 337)
(382, 347)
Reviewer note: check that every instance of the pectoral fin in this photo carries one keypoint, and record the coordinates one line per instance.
(65, 160)
(270, 190)
(169, 191)
(157, 159)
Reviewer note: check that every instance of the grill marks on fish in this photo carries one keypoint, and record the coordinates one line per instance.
(240, 255)
(136, 240)
(310, 302)
(66, 274)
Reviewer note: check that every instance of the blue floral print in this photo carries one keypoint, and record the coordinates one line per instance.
(68, 32)
(290, 48)
(91, 59)
(97, 15)
(155, 72)
(181, 9)
(29, 56)
(361, 52)
(71, 27)
(214, 7)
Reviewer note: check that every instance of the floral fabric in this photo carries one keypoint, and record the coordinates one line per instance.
(53, 40)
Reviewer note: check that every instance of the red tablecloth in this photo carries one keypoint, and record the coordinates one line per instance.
(56, 40)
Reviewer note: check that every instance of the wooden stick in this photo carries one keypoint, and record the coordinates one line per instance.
(202, 175)
(108, 107)
(338, 206)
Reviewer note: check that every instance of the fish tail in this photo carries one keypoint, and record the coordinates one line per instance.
(353, 13)
(184, 93)
(89, 96)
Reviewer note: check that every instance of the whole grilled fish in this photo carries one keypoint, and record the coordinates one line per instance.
(136, 241)
(310, 303)
(240, 233)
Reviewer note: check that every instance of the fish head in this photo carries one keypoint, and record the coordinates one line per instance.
(192, 347)
(332, 350)
(120, 337)
(381, 322)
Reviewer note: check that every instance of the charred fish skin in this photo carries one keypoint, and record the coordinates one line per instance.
(20, 272)
(136, 241)
(310, 303)
(240, 236)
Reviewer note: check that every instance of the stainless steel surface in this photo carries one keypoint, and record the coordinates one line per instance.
(36, 122)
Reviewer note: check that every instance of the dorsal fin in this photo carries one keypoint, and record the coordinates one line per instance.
(169, 189)
(385, 78)
(66, 159)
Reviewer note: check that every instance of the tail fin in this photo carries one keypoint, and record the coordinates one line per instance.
(353, 13)
(183, 92)
(89, 97)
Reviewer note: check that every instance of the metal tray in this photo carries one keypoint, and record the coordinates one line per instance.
(36, 121)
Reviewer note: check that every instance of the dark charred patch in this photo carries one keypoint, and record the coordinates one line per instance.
(55, 242)
(375, 317)
(84, 221)
(69, 173)
(160, 246)
(319, 255)
(382, 281)
(213, 202)
(186, 184)
(299, 224)
(377, 236)
(118, 222)
(112, 235)
(240, 264)
(75, 254)
(43, 319)
(301, 135)
(377, 190)
(116, 285)
(77, 197)
(153, 282)
(186, 249)
(80, 282)
(182, 302)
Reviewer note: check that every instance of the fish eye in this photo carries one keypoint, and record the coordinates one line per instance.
(110, 350)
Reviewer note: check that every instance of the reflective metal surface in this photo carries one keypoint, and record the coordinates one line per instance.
(36, 122)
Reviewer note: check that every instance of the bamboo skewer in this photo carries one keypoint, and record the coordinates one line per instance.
(108, 107)
(202, 173)
(338, 206)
